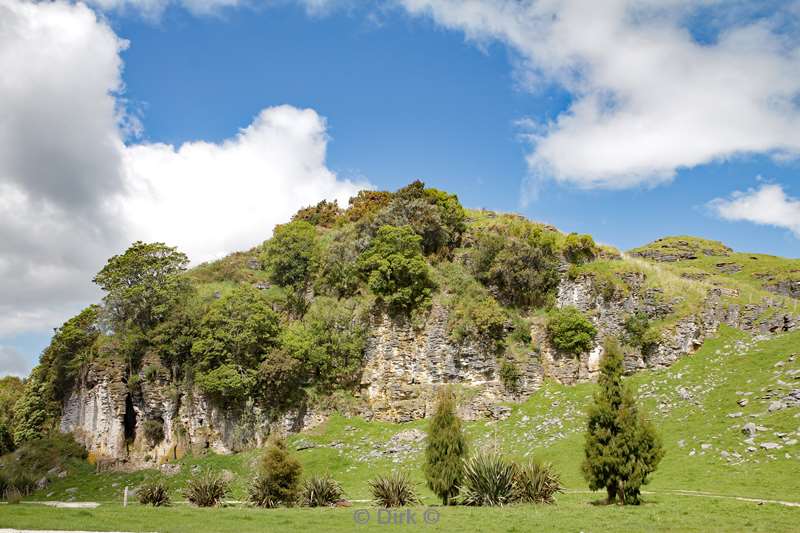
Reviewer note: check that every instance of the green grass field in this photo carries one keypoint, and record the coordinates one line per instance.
(693, 403)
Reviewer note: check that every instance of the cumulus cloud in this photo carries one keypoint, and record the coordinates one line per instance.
(210, 198)
(13, 363)
(72, 193)
(768, 205)
(648, 98)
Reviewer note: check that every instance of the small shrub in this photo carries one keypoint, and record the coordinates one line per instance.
(151, 373)
(153, 492)
(207, 488)
(153, 431)
(13, 496)
(278, 482)
(536, 482)
(22, 483)
(321, 491)
(395, 490)
(579, 249)
(510, 375)
(570, 331)
(489, 480)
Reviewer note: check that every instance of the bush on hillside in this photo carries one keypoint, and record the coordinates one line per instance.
(579, 249)
(394, 490)
(153, 431)
(395, 269)
(640, 333)
(510, 375)
(570, 331)
(290, 255)
(325, 214)
(366, 204)
(278, 479)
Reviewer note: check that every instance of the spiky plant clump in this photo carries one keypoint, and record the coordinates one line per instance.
(207, 488)
(395, 490)
(321, 491)
(13, 496)
(489, 479)
(536, 482)
(153, 492)
(446, 449)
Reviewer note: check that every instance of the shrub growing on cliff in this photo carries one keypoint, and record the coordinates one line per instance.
(518, 260)
(153, 431)
(446, 448)
(206, 488)
(509, 375)
(278, 480)
(579, 249)
(622, 448)
(396, 270)
(290, 255)
(640, 333)
(324, 214)
(570, 331)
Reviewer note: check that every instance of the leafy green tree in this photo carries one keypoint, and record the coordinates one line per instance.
(396, 270)
(622, 447)
(338, 273)
(63, 362)
(228, 384)
(141, 283)
(329, 341)
(290, 255)
(239, 329)
(11, 389)
(570, 331)
(640, 333)
(446, 449)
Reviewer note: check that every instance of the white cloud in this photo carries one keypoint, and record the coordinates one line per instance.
(210, 199)
(13, 363)
(648, 98)
(768, 205)
(72, 193)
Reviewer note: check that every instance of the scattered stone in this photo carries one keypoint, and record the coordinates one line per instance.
(303, 444)
(705, 446)
(681, 443)
(724, 454)
(749, 429)
(742, 402)
(684, 394)
(735, 415)
(170, 469)
(777, 405)
(751, 449)
(771, 446)
(349, 428)
(791, 442)
(691, 453)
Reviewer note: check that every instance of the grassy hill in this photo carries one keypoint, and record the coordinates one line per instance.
(693, 403)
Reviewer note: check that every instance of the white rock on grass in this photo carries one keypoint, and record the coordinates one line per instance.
(771, 446)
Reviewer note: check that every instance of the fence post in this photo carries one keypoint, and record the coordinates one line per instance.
(125, 497)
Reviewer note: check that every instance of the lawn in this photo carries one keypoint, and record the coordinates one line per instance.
(574, 512)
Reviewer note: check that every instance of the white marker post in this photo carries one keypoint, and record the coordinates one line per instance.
(125, 497)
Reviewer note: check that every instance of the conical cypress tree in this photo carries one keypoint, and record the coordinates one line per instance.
(622, 448)
(446, 449)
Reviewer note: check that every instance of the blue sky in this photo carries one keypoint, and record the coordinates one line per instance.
(680, 120)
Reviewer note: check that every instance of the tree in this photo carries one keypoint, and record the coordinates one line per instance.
(10, 390)
(570, 331)
(325, 214)
(446, 449)
(239, 329)
(579, 249)
(622, 448)
(329, 341)
(396, 270)
(141, 283)
(278, 481)
(290, 255)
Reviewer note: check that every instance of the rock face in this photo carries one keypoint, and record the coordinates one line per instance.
(404, 366)
(114, 420)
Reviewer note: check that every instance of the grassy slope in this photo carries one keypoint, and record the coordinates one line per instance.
(549, 425)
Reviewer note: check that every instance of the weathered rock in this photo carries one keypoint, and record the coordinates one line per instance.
(749, 429)
(771, 446)
(775, 406)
